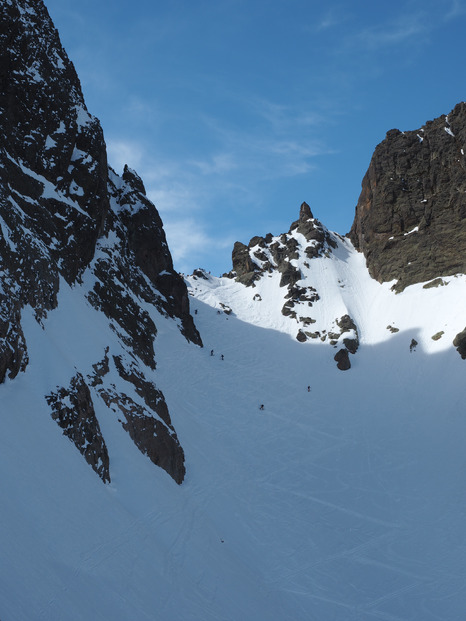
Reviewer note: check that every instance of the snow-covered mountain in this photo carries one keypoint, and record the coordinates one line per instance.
(304, 492)
(312, 284)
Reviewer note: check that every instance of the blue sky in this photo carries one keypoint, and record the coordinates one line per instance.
(235, 111)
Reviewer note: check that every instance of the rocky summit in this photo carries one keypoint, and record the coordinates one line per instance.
(291, 257)
(68, 220)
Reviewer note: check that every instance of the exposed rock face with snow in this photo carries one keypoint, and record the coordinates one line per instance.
(67, 219)
(410, 220)
(295, 263)
(311, 284)
(263, 254)
(74, 412)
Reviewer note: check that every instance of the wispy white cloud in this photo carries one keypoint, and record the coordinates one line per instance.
(121, 152)
(285, 118)
(387, 35)
(178, 190)
(219, 163)
(281, 141)
(187, 238)
(457, 9)
(140, 107)
(334, 16)
(412, 25)
(173, 198)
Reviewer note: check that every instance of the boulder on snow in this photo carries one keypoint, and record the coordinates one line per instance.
(342, 360)
(301, 337)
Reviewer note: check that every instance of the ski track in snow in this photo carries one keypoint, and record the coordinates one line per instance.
(346, 503)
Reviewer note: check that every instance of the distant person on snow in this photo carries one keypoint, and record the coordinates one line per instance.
(211, 352)
(261, 407)
(308, 389)
(221, 356)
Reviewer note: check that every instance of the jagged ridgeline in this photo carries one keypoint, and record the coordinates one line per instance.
(68, 220)
(302, 293)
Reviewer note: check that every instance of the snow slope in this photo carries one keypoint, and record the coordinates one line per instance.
(343, 503)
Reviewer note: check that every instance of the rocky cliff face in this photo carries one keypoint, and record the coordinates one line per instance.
(67, 219)
(410, 220)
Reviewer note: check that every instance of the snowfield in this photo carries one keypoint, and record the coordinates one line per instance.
(345, 503)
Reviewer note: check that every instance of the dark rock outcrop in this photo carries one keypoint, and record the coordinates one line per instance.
(297, 295)
(265, 254)
(146, 246)
(73, 410)
(152, 436)
(13, 350)
(199, 273)
(313, 231)
(342, 360)
(246, 270)
(301, 336)
(346, 324)
(460, 343)
(410, 219)
(53, 173)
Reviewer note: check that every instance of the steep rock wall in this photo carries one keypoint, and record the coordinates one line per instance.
(64, 215)
(410, 219)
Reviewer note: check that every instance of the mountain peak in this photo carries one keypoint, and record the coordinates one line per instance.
(305, 212)
(264, 254)
(133, 179)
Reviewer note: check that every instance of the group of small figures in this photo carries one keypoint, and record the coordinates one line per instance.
(261, 407)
